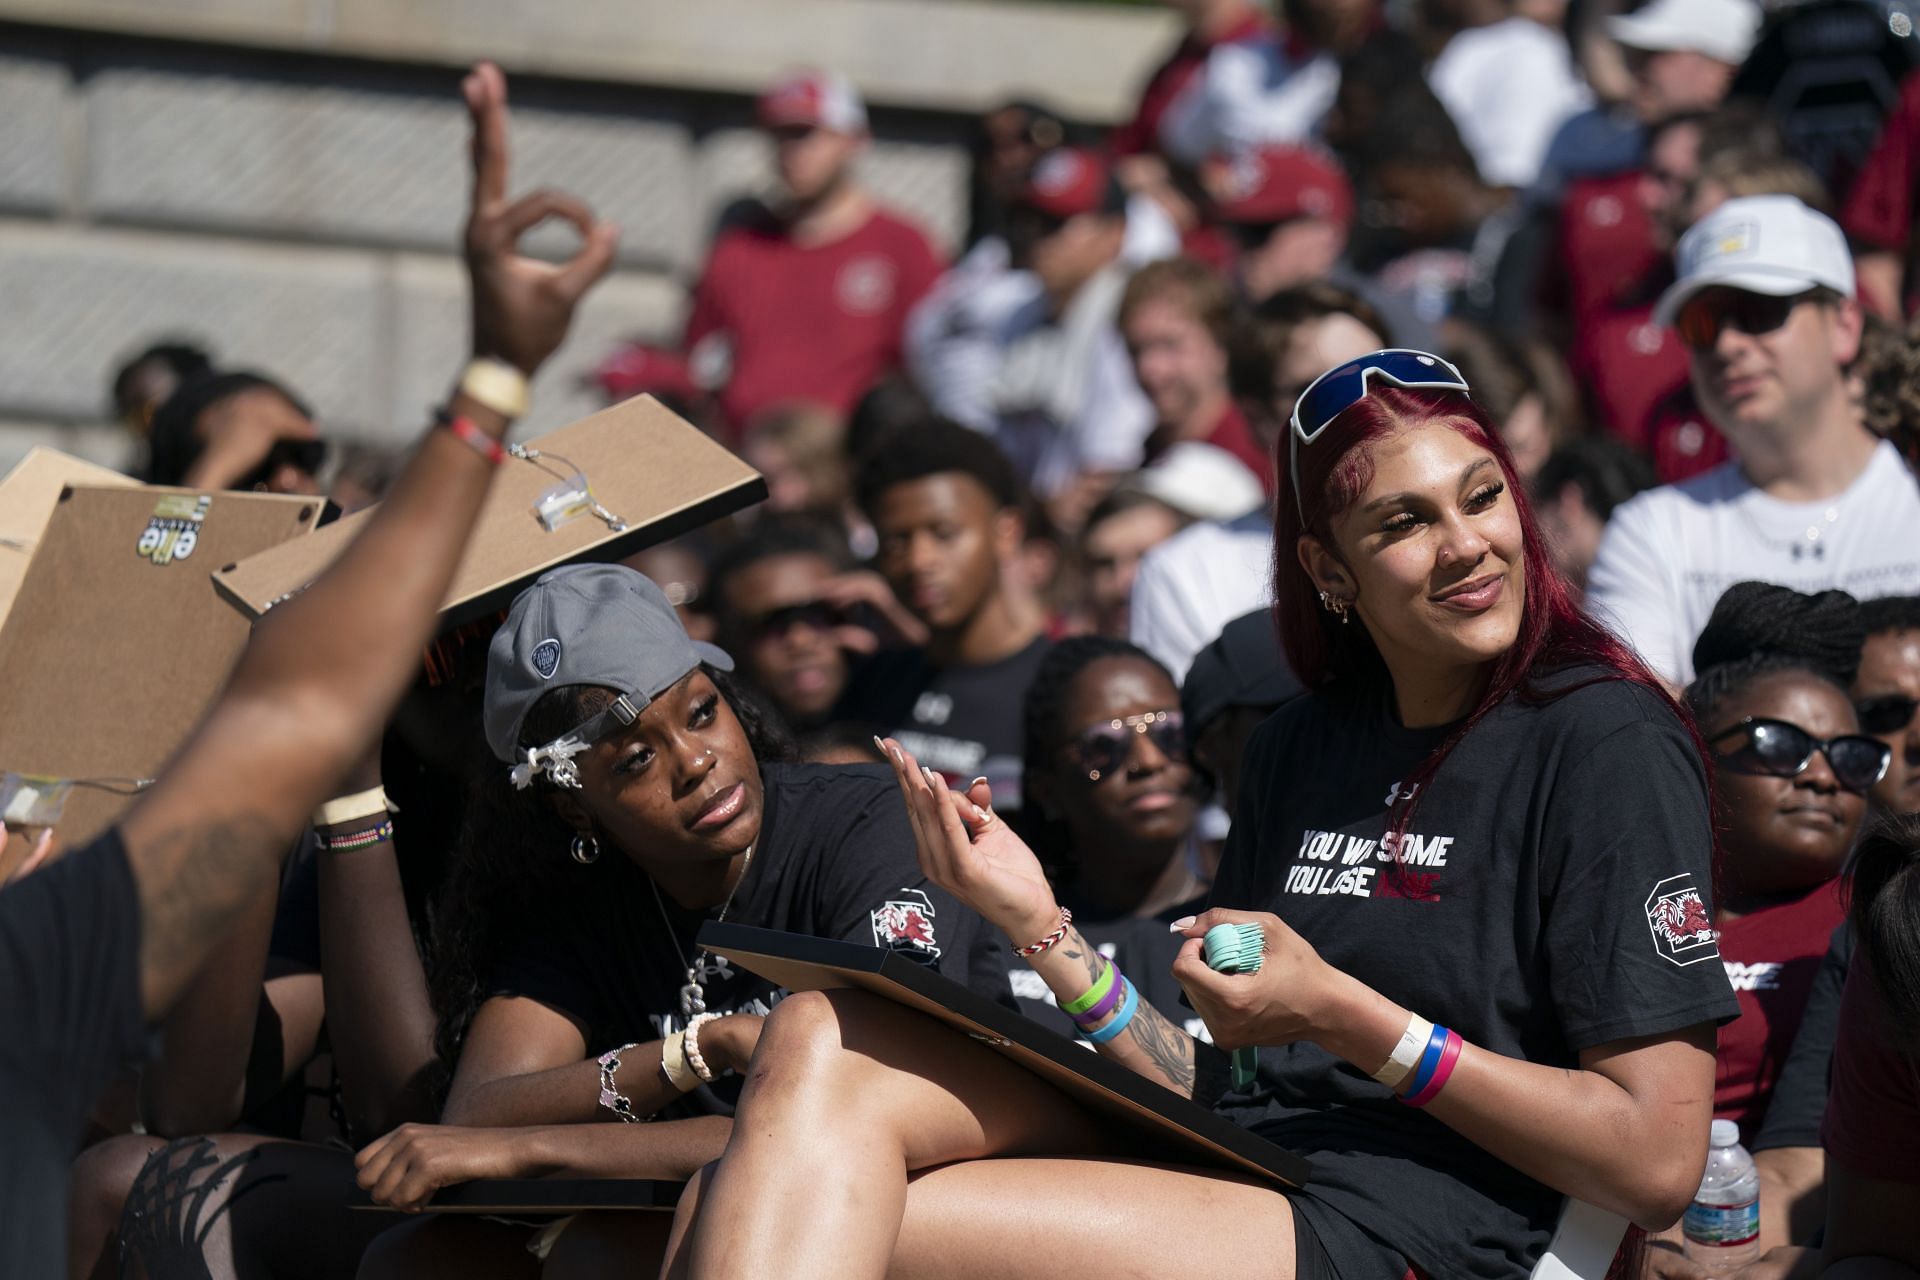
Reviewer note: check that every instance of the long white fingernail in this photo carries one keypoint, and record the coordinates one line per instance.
(1181, 925)
(976, 782)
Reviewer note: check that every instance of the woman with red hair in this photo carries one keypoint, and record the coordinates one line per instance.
(1480, 853)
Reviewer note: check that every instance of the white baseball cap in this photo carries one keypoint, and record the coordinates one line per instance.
(1200, 481)
(1721, 29)
(1764, 244)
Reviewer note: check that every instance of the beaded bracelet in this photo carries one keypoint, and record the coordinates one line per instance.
(692, 1045)
(357, 840)
(1129, 1007)
(610, 1096)
(1448, 1057)
(1047, 943)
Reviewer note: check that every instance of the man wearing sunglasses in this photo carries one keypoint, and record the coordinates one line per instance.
(1764, 305)
(1886, 696)
(236, 431)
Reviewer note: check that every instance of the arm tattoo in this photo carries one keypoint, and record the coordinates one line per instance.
(192, 882)
(1168, 1047)
(1076, 947)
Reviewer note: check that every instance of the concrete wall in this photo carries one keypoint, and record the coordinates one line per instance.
(283, 180)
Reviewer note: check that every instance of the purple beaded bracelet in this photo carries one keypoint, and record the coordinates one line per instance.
(1107, 1003)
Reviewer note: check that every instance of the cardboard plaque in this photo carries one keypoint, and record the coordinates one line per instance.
(27, 498)
(117, 641)
(1168, 1124)
(532, 1197)
(654, 470)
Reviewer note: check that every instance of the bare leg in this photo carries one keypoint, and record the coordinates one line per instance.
(244, 1205)
(988, 1219)
(97, 1193)
(846, 1096)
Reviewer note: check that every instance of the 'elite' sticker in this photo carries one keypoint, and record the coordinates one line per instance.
(173, 531)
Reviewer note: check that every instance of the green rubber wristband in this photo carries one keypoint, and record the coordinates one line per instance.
(1094, 994)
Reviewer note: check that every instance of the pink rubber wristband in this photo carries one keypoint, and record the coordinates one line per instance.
(1441, 1073)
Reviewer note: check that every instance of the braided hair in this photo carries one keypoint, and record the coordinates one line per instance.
(1759, 629)
(512, 850)
(1044, 732)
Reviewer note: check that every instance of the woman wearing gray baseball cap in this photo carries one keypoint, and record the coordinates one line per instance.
(638, 796)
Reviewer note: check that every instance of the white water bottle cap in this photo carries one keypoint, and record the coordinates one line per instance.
(1725, 1134)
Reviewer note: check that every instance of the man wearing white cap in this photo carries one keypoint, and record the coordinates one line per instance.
(1765, 306)
(806, 299)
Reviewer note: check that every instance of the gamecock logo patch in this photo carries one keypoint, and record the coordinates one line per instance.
(1677, 916)
(906, 924)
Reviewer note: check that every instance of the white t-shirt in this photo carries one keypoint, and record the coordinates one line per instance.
(1509, 86)
(1250, 93)
(1192, 585)
(1668, 554)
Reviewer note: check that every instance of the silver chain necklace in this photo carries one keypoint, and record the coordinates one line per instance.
(693, 996)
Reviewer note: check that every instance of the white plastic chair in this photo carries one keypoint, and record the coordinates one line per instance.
(1583, 1245)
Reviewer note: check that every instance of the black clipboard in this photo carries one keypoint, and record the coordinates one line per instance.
(541, 1197)
(1184, 1129)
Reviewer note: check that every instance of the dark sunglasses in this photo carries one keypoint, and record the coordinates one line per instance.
(1703, 316)
(1783, 750)
(1104, 748)
(1345, 385)
(777, 624)
(1888, 714)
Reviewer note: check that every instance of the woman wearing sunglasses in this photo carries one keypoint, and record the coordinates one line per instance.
(1111, 812)
(1479, 850)
(1792, 773)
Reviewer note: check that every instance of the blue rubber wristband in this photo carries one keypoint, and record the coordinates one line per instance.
(1429, 1060)
(1128, 1007)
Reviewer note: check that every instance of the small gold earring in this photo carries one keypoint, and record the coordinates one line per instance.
(1335, 605)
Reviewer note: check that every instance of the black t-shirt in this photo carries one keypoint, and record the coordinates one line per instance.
(963, 722)
(1552, 896)
(835, 860)
(1799, 1100)
(1144, 951)
(70, 1015)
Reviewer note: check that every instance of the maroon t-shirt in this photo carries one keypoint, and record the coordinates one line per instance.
(1605, 244)
(1771, 958)
(1872, 1124)
(1878, 212)
(1142, 133)
(815, 323)
(1627, 365)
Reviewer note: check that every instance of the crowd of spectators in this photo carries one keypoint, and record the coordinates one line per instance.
(1021, 521)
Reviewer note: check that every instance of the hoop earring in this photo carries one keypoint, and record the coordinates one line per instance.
(585, 850)
(1335, 605)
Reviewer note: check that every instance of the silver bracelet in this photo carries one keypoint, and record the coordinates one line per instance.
(610, 1096)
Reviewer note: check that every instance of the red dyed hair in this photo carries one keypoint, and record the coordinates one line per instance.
(1555, 632)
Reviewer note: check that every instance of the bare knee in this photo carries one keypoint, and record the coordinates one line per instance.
(98, 1184)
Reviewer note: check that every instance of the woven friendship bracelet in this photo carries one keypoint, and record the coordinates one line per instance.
(358, 840)
(1047, 943)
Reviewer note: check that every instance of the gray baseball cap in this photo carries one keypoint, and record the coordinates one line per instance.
(598, 624)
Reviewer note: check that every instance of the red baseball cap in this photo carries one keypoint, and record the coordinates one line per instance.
(821, 99)
(1068, 181)
(1277, 184)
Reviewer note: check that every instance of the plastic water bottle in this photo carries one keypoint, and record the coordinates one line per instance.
(1722, 1225)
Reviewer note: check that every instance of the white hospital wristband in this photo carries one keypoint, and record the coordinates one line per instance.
(1406, 1054)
